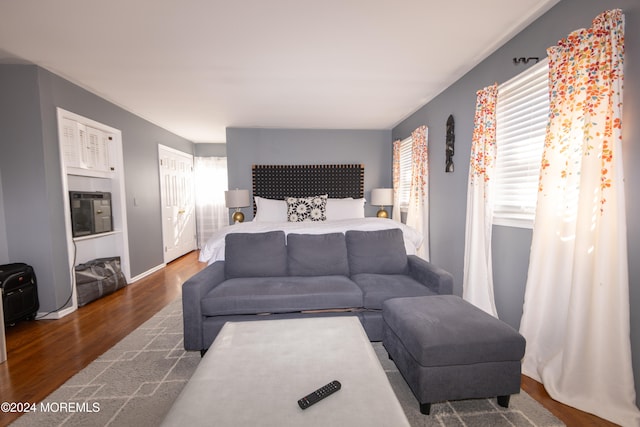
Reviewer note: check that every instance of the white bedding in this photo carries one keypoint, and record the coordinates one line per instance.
(214, 248)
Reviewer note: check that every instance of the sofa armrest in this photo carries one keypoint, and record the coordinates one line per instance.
(435, 278)
(193, 290)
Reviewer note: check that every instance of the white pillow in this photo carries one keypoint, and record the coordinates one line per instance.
(270, 210)
(345, 208)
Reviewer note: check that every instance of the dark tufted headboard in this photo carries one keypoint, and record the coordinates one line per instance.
(280, 181)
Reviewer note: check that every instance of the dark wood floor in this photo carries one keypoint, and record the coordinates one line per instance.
(42, 355)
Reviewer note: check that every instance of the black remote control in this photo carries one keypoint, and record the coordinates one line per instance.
(319, 394)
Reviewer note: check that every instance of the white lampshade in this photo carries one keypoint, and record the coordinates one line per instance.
(236, 198)
(382, 196)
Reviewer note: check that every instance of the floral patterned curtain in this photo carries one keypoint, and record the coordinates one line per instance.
(576, 310)
(418, 209)
(418, 206)
(395, 210)
(478, 272)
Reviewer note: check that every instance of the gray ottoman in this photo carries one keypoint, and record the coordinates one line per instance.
(448, 349)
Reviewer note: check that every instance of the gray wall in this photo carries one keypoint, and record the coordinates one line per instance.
(4, 249)
(29, 207)
(30, 166)
(511, 246)
(249, 146)
(210, 150)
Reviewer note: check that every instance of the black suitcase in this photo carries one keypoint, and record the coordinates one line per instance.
(20, 292)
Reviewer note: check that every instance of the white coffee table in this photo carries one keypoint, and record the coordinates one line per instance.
(255, 372)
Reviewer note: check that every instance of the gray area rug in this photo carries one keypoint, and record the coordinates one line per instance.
(136, 382)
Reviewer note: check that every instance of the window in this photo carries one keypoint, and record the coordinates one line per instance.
(405, 172)
(522, 113)
(210, 184)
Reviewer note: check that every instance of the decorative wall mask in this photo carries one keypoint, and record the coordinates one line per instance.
(451, 137)
(523, 60)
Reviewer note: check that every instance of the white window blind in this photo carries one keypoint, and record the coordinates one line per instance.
(405, 172)
(522, 113)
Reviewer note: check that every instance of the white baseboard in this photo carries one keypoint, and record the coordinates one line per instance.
(148, 272)
(64, 312)
(56, 314)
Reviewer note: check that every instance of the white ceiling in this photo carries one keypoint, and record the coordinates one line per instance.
(195, 67)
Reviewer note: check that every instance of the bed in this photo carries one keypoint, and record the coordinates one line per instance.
(308, 199)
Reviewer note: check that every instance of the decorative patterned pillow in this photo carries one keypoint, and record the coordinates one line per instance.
(300, 209)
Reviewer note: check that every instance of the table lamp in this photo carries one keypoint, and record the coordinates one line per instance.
(382, 197)
(236, 199)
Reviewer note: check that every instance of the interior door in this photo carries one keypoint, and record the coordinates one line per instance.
(178, 202)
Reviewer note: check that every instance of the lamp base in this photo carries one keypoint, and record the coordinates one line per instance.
(382, 213)
(237, 216)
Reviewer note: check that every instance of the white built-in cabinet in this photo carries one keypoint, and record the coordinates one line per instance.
(87, 150)
(92, 160)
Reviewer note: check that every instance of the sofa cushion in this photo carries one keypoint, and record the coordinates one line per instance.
(280, 295)
(317, 254)
(377, 288)
(255, 254)
(380, 251)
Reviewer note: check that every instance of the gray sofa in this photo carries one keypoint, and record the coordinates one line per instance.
(270, 276)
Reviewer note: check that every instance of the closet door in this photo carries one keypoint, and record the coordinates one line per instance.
(178, 202)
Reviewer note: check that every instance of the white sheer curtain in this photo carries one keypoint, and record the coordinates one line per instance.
(576, 310)
(418, 204)
(478, 271)
(211, 183)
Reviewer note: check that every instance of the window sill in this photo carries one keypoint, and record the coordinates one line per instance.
(514, 222)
